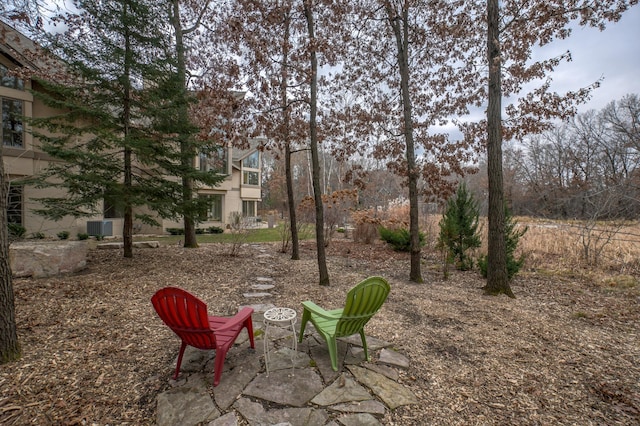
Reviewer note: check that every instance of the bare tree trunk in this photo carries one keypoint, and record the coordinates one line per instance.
(286, 118)
(315, 163)
(9, 346)
(400, 26)
(127, 227)
(186, 155)
(295, 244)
(497, 277)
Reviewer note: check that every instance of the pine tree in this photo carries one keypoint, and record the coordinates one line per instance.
(117, 138)
(459, 228)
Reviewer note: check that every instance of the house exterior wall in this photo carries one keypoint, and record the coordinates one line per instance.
(28, 160)
(231, 189)
(21, 162)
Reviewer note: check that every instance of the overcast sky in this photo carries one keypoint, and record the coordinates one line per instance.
(613, 54)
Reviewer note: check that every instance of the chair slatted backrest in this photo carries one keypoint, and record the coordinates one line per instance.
(363, 301)
(186, 315)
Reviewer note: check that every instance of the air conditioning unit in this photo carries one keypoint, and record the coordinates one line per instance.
(100, 227)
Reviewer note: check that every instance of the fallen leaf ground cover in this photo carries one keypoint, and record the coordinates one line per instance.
(565, 351)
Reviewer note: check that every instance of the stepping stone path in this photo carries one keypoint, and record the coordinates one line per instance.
(301, 388)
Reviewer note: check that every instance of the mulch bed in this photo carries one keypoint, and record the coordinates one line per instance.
(565, 351)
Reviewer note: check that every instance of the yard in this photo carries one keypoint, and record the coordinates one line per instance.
(565, 351)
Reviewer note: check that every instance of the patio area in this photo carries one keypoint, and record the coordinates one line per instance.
(300, 389)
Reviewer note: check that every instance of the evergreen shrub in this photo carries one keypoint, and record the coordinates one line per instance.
(215, 230)
(459, 229)
(398, 238)
(175, 231)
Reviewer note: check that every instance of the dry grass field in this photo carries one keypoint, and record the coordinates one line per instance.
(604, 253)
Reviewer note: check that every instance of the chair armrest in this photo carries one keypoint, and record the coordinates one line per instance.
(317, 310)
(235, 320)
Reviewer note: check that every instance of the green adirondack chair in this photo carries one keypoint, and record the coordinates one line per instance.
(363, 301)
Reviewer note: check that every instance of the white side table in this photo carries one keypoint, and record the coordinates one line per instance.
(280, 317)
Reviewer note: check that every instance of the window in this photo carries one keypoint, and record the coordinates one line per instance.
(214, 159)
(250, 178)
(10, 81)
(251, 162)
(113, 210)
(214, 211)
(249, 208)
(12, 130)
(14, 207)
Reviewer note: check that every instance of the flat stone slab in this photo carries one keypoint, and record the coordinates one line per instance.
(239, 370)
(384, 370)
(146, 244)
(355, 355)
(262, 286)
(256, 415)
(287, 358)
(187, 405)
(194, 360)
(284, 388)
(109, 246)
(371, 406)
(344, 389)
(320, 354)
(229, 419)
(256, 295)
(391, 393)
(264, 279)
(363, 419)
(373, 344)
(393, 358)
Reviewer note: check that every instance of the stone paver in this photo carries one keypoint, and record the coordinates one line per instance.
(233, 381)
(187, 405)
(283, 387)
(393, 358)
(262, 287)
(229, 419)
(385, 370)
(256, 295)
(362, 419)
(373, 344)
(288, 359)
(371, 406)
(255, 414)
(391, 393)
(344, 389)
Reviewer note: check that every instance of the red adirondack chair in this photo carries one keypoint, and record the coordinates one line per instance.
(187, 316)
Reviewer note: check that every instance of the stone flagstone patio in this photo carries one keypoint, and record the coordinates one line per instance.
(301, 388)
